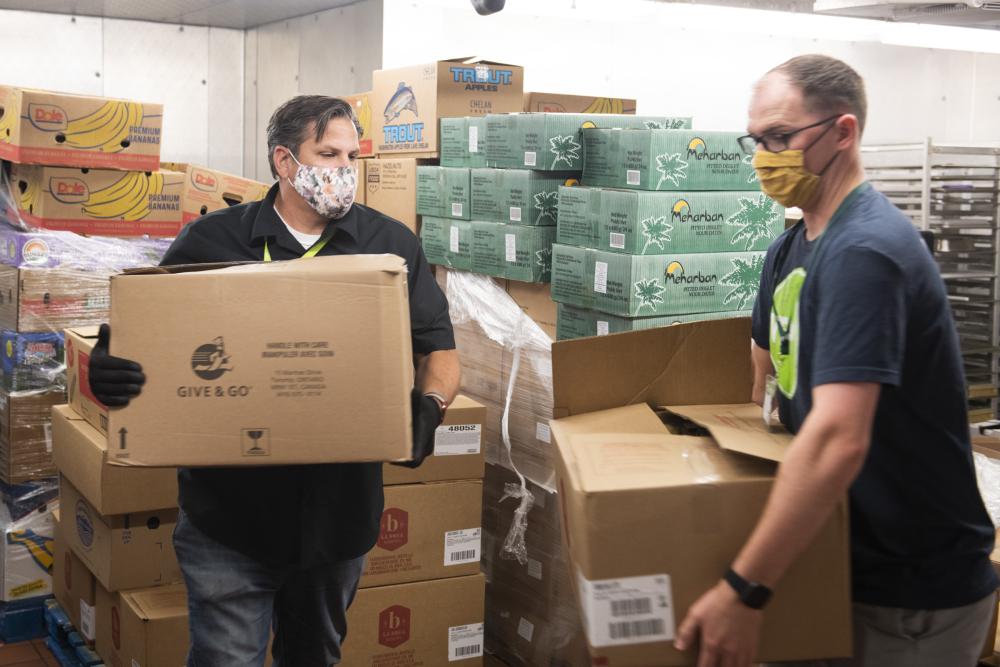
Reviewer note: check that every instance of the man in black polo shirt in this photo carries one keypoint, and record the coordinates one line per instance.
(285, 546)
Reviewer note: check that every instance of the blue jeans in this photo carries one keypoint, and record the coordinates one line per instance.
(234, 601)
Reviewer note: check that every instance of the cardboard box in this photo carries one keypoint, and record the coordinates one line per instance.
(107, 612)
(463, 142)
(535, 299)
(559, 103)
(444, 192)
(427, 531)
(42, 127)
(424, 623)
(25, 435)
(154, 626)
(517, 196)
(458, 448)
(361, 103)
(516, 252)
(675, 160)
(26, 556)
(361, 191)
(409, 101)
(123, 550)
(624, 476)
(392, 189)
(447, 242)
(73, 585)
(206, 190)
(80, 342)
(36, 299)
(576, 322)
(31, 361)
(81, 455)
(579, 216)
(65, 250)
(572, 275)
(554, 141)
(266, 385)
(488, 248)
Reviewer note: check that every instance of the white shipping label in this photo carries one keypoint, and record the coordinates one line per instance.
(87, 618)
(602, 328)
(135, 663)
(515, 214)
(601, 277)
(526, 629)
(48, 437)
(510, 247)
(458, 439)
(632, 176)
(465, 641)
(530, 158)
(535, 569)
(633, 610)
(543, 432)
(454, 239)
(456, 209)
(473, 139)
(617, 240)
(462, 546)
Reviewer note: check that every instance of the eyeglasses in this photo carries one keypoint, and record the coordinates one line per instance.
(776, 142)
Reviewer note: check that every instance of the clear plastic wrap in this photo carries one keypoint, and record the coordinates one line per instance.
(26, 434)
(23, 499)
(28, 553)
(988, 474)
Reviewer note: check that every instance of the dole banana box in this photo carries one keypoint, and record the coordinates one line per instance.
(571, 266)
(207, 190)
(409, 101)
(101, 201)
(361, 103)
(637, 285)
(677, 160)
(463, 142)
(42, 127)
(578, 215)
(443, 192)
(652, 223)
(553, 141)
(559, 103)
(447, 242)
(517, 196)
(573, 322)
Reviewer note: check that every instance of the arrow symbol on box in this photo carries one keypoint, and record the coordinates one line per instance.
(123, 432)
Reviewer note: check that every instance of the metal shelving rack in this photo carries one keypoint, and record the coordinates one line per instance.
(954, 191)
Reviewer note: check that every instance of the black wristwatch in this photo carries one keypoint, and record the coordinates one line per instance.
(752, 594)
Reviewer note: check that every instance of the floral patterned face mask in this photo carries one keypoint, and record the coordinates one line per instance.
(329, 190)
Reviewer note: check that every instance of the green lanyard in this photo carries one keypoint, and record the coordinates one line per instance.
(312, 252)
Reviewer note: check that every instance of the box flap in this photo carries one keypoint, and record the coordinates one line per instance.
(84, 332)
(473, 60)
(739, 428)
(156, 603)
(687, 364)
(351, 266)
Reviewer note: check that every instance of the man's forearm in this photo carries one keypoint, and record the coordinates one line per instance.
(762, 367)
(440, 372)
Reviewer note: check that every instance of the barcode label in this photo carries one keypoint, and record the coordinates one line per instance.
(526, 629)
(543, 432)
(87, 618)
(458, 439)
(462, 546)
(633, 610)
(48, 437)
(602, 328)
(535, 569)
(456, 209)
(473, 139)
(453, 246)
(515, 214)
(617, 240)
(601, 277)
(465, 641)
(510, 247)
(632, 176)
(530, 159)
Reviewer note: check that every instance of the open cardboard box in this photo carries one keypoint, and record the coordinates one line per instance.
(659, 516)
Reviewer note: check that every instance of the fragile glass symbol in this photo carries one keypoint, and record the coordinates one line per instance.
(255, 437)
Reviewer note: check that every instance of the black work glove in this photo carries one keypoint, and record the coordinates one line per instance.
(426, 418)
(113, 381)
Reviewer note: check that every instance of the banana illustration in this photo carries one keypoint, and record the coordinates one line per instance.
(125, 199)
(29, 198)
(106, 128)
(606, 105)
(7, 119)
(364, 114)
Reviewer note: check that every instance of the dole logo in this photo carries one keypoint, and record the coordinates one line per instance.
(69, 190)
(204, 180)
(47, 117)
(394, 529)
(394, 626)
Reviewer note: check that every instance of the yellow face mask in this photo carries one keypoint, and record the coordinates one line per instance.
(784, 177)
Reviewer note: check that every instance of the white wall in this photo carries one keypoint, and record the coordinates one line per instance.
(196, 73)
(702, 61)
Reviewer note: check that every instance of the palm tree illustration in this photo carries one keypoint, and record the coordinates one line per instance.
(755, 220)
(672, 168)
(566, 149)
(744, 279)
(547, 205)
(649, 293)
(656, 231)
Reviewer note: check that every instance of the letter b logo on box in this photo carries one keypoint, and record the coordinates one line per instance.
(394, 626)
(394, 529)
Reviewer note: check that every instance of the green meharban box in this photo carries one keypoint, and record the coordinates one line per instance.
(553, 141)
(572, 275)
(573, 322)
(463, 142)
(579, 216)
(447, 242)
(515, 252)
(653, 223)
(517, 196)
(675, 284)
(675, 160)
(444, 192)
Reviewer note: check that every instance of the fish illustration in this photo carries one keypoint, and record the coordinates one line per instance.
(402, 100)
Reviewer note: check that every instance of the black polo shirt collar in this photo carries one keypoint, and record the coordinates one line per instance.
(267, 225)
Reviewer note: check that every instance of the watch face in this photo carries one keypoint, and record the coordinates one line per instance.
(756, 596)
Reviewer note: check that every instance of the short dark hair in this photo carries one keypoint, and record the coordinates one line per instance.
(827, 84)
(290, 123)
